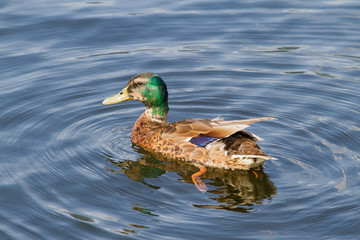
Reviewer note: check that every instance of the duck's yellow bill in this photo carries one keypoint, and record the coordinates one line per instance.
(120, 97)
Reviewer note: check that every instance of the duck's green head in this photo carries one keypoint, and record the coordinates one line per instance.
(147, 88)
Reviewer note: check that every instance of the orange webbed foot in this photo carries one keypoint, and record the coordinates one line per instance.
(200, 185)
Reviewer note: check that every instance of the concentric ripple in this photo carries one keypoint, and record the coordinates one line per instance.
(68, 167)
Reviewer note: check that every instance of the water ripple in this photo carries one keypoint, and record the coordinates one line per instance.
(67, 161)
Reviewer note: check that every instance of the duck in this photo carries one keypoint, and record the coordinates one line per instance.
(204, 143)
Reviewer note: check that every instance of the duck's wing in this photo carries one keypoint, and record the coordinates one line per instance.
(223, 128)
(217, 128)
(186, 129)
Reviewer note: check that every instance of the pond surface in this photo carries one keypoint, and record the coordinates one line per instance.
(68, 169)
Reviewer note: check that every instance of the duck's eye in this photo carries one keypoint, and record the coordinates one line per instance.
(137, 85)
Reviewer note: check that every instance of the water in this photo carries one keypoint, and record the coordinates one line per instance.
(69, 170)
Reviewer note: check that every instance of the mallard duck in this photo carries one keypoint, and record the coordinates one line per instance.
(203, 142)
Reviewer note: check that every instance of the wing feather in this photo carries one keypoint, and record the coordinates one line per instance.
(184, 130)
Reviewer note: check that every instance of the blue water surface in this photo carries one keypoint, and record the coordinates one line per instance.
(68, 169)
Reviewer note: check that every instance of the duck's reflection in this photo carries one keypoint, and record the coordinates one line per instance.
(235, 190)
